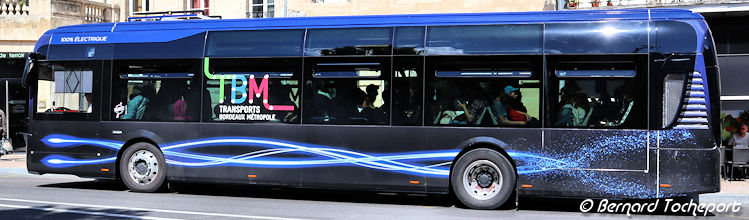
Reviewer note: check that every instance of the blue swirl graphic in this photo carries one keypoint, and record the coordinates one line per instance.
(432, 163)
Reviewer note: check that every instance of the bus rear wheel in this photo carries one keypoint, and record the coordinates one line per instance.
(483, 179)
(143, 168)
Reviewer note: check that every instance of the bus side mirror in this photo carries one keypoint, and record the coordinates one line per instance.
(28, 68)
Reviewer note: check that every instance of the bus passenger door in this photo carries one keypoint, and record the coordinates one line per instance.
(66, 108)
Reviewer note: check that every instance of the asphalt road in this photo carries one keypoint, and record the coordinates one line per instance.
(24, 196)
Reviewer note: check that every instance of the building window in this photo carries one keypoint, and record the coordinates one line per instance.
(140, 6)
(199, 5)
(261, 9)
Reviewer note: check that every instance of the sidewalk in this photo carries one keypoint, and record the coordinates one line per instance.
(13, 163)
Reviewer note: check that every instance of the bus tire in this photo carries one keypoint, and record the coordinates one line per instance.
(483, 179)
(143, 168)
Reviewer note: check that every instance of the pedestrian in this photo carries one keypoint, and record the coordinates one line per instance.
(5, 146)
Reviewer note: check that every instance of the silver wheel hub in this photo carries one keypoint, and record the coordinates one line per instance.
(482, 179)
(143, 167)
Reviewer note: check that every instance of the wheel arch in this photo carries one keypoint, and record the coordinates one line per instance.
(484, 142)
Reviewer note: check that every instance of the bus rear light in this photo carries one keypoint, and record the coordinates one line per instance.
(666, 185)
(252, 176)
(526, 186)
(414, 182)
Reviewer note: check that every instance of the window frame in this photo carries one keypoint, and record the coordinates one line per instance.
(641, 78)
(265, 12)
(97, 67)
(203, 5)
(536, 75)
(145, 3)
(116, 77)
(385, 76)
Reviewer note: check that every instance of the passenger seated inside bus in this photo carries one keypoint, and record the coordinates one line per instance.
(162, 104)
(499, 110)
(516, 110)
(317, 104)
(139, 101)
(346, 103)
(592, 96)
(474, 103)
(624, 94)
(406, 103)
(574, 106)
(369, 111)
(471, 106)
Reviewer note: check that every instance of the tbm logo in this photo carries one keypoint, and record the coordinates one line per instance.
(253, 91)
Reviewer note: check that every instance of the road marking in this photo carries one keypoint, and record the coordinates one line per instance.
(82, 212)
(151, 210)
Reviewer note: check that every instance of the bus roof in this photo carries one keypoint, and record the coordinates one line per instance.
(386, 20)
(166, 31)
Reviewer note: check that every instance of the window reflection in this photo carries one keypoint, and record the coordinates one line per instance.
(606, 37)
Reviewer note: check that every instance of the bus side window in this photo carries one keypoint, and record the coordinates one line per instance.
(407, 94)
(351, 90)
(484, 91)
(255, 90)
(155, 91)
(68, 91)
(598, 93)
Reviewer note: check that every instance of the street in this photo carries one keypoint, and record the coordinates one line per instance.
(25, 196)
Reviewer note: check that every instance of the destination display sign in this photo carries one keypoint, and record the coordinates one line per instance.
(13, 55)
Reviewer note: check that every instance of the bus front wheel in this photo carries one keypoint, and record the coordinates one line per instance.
(143, 168)
(483, 179)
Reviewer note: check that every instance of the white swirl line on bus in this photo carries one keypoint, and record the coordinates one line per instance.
(337, 156)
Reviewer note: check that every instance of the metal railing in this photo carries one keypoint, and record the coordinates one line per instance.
(87, 11)
(14, 7)
(618, 4)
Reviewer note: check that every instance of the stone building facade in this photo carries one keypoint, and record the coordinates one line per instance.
(23, 21)
(296, 8)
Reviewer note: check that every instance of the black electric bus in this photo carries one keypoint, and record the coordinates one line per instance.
(588, 104)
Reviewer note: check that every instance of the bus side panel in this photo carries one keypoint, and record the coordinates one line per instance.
(595, 164)
(46, 154)
(369, 157)
(688, 172)
(686, 169)
(226, 159)
(589, 184)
